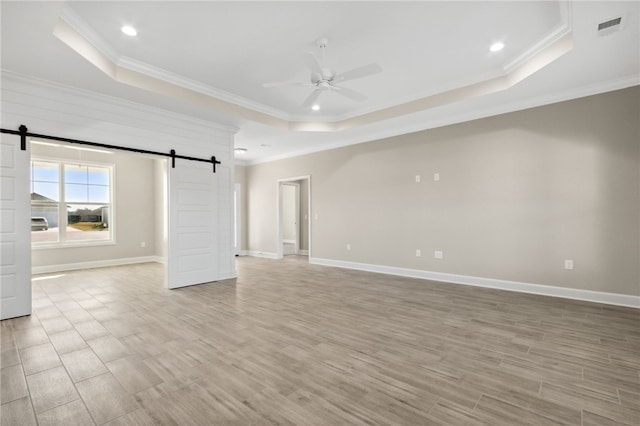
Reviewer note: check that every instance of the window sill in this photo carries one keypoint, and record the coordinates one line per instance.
(49, 246)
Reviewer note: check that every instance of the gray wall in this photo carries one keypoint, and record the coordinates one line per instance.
(518, 194)
(135, 216)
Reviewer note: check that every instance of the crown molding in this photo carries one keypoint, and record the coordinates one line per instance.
(10, 79)
(196, 86)
(563, 29)
(71, 30)
(69, 16)
(519, 105)
(85, 31)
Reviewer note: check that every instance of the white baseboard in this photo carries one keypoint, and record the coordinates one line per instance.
(304, 252)
(262, 254)
(94, 264)
(289, 241)
(545, 290)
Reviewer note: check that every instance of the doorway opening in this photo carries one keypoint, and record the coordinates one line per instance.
(237, 214)
(85, 196)
(294, 217)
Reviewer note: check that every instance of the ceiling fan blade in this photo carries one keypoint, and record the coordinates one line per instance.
(312, 63)
(351, 94)
(311, 98)
(287, 83)
(359, 72)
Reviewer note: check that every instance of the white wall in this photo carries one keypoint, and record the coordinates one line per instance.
(48, 108)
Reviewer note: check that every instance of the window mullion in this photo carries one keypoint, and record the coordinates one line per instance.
(62, 230)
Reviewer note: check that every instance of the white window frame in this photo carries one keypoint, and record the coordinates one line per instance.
(62, 211)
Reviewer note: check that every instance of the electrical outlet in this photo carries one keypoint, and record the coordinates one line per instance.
(436, 177)
(316, 216)
(143, 244)
(418, 253)
(437, 254)
(568, 264)
(348, 247)
(417, 178)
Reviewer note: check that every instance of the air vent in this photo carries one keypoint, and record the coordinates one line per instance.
(610, 23)
(610, 26)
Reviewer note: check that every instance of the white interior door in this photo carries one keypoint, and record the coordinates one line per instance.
(193, 256)
(15, 229)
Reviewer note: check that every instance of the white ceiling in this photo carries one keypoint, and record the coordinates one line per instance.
(225, 51)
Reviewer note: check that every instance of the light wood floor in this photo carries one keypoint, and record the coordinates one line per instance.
(296, 344)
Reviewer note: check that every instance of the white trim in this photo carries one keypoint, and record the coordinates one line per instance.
(152, 115)
(83, 29)
(78, 35)
(304, 252)
(289, 241)
(538, 46)
(545, 290)
(449, 119)
(199, 87)
(95, 264)
(266, 255)
(237, 216)
(63, 241)
(69, 16)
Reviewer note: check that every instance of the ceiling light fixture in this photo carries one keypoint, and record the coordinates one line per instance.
(129, 30)
(316, 107)
(240, 151)
(496, 47)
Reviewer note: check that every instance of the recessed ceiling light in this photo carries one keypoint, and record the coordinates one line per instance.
(240, 151)
(129, 30)
(316, 107)
(496, 47)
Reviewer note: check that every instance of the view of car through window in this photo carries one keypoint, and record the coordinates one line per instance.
(39, 224)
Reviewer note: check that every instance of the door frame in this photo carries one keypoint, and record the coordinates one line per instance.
(279, 230)
(296, 214)
(237, 205)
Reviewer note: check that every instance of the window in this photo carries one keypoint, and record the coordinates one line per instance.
(71, 203)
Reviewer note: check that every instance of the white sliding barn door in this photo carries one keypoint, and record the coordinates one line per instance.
(15, 229)
(199, 239)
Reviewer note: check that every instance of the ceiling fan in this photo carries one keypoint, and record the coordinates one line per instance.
(325, 79)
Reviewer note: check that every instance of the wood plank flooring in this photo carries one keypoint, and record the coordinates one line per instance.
(290, 343)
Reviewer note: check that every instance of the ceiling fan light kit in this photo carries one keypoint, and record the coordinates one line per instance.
(325, 79)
